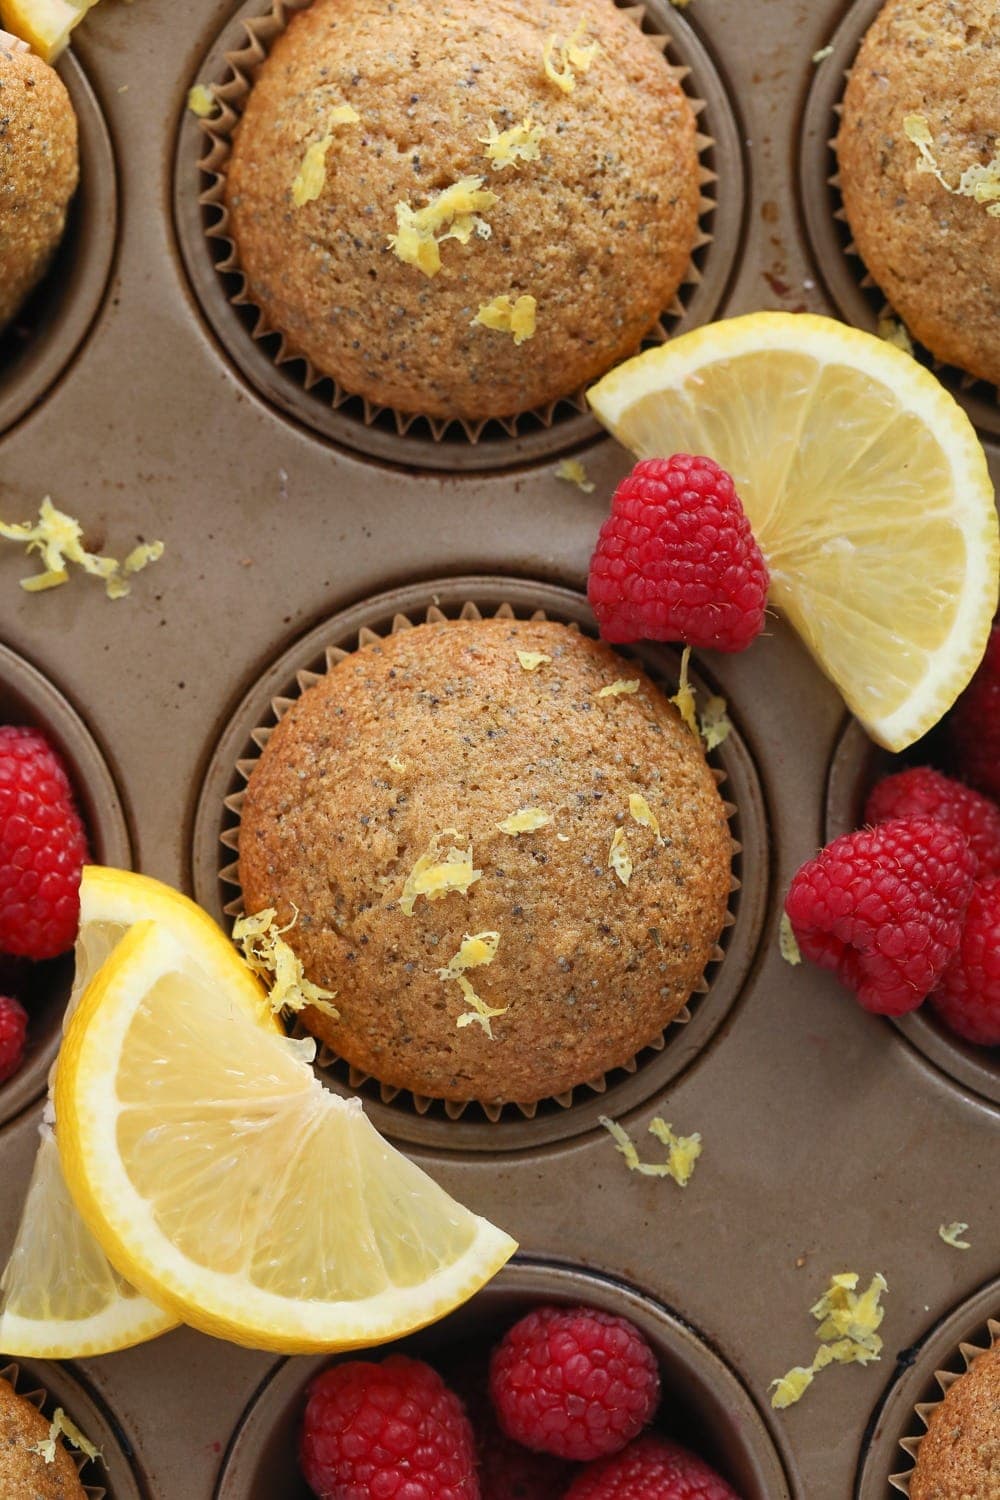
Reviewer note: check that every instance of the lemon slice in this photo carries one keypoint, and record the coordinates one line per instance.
(60, 1298)
(230, 1186)
(866, 487)
(44, 24)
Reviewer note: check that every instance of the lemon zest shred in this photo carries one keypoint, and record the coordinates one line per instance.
(525, 820)
(434, 877)
(894, 331)
(848, 1324)
(619, 857)
(269, 957)
(715, 724)
(395, 764)
(980, 182)
(61, 1426)
(475, 951)
(532, 660)
(571, 57)
(310, 180)
(822, 54)
(201, 101)
(454, 213)
(58, 537)
(788, 945)
(505, 148)
(683, 1150)
(505, 316)
(573, 471)
(620, 686)
(643, 814)
(683, 699)
(950, 1234)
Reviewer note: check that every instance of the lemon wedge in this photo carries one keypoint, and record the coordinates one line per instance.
(44, 24)
(60, 1298)
(865, 485)
(223, 1179)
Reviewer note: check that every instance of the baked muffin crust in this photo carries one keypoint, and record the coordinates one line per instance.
(959, 1455)
(25, 1475)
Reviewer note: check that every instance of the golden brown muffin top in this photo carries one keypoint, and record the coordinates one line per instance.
(935, 254)
(38, 171)
(598, 229)
(25, 1475)
(426, 742)
(959, 1456)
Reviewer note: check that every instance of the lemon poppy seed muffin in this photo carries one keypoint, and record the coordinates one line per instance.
(24, 1473)
(39, 168)
(451, 826)
(959, 1455)
(935, 253)
(369, 120)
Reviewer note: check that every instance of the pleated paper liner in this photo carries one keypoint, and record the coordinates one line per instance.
(693, 302)
(968, 1353)
(327, 1060)
(847, 278)
(30, 1388)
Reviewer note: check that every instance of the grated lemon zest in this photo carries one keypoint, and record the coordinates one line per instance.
(683, 1150)
(310, 180)
(787, 942)
(59, 539)
(895, 332)
(847, 1332)
(476, 950)
(62, 1426)
(950, 1234)
(571, 57)
(532, 660)
(980, 182)
(617, 688)
(619, 857)
(455, 211)
(525, 820)
(822, 54)
(643, 814)
(201, 101)
(505, 148)
(435, 877)
(683, 699)
(279, 966)
(715, 723)
(573, 471)
(505, 316)
(395, 764)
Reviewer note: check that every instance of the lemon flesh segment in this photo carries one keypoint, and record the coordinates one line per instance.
(866, 488)
(227, 1184)
(60, 1298)
(44, 24)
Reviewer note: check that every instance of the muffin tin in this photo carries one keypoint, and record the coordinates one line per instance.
(832, 1140)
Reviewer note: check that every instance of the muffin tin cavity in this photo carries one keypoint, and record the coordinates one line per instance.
(704, 1405)
(851, 288)
(857, 764)
(47, 332)
(48, 1386)
(26, 697)
(474, 1127)
(289, 382)
(899, 1423)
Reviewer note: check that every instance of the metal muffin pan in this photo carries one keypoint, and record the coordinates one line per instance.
(831, 1141)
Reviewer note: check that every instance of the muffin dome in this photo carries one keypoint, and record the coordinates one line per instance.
(934, 253)
(408, 754)
(959, 1456)
(39, 168)
(24, 1472)
(595, 211)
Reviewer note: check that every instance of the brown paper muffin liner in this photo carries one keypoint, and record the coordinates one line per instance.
(924, 1409)
(40, 1398)
(231, 94)
(327, 1059)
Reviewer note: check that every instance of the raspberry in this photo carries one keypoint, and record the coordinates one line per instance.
(506, 1470)
(13, 1031)
(43, 848)
(676, 559)
(388, 1431)
(653, 1468)
(925, 793)
(574, 1382)
(968, 997)
(974, 722)
(883, 908)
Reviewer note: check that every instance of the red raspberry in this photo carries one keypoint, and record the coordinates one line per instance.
(653, 1468)
(388, 1431)
(43, 848)
(13, 1032)
(574, 1382)
(968, 997)
(676, 559)
(883, 908)
(506, 1470)
(974, 722)
(925, 793)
